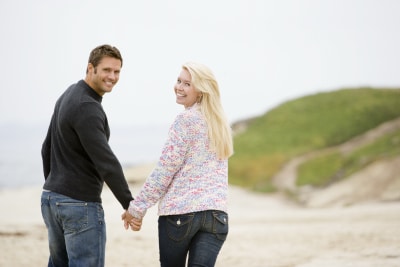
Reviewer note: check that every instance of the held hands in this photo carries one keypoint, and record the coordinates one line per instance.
(129, 221)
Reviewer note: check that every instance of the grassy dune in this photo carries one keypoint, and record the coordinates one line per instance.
(310, 123)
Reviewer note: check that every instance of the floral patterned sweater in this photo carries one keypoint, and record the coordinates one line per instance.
(188, 177)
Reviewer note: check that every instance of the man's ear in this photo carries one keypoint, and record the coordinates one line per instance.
(89, 67)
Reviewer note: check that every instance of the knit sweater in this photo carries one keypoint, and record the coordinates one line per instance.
(77, 158)
(188, 177)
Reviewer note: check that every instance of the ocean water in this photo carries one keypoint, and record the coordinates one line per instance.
(20, 145)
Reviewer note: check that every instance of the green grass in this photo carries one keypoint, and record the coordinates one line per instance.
(324, 170)
(306, 124)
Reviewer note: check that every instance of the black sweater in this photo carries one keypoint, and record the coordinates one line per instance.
(77, 158)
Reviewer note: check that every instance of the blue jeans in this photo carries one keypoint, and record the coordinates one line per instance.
(76, 231)
(199, 234)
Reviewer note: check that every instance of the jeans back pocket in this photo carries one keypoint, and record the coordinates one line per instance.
(74, 215)
(179, 226)
(220, 225)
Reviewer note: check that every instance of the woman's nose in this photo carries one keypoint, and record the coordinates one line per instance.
(178, 87)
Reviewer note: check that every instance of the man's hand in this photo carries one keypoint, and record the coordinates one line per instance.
(129, 221)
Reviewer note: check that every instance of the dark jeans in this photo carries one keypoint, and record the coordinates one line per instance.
(199, 234)
(76, 231)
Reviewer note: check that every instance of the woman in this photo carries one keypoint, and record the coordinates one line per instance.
(190, 180)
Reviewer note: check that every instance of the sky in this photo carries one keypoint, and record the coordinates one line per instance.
(262, 52)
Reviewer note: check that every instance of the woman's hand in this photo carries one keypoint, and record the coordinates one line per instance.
(129, 221)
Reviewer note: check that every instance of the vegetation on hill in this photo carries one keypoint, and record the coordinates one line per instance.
(326, 169)
(306, 124)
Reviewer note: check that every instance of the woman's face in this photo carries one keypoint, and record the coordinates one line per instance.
(185, 92)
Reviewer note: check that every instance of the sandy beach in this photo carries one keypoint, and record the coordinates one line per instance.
(265, 231)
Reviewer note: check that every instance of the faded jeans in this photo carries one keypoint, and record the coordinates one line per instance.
(199, 234)
(76, 231)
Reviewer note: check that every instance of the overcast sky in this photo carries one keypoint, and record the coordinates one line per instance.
(262, 52)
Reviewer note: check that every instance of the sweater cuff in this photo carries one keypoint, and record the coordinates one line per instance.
(135, 212)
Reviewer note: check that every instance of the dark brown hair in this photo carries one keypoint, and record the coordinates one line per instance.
(101, 51)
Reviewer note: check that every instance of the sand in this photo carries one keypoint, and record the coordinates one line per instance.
(265, 231)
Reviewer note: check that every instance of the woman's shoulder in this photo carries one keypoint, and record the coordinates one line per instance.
(189, 118)
(190, 115)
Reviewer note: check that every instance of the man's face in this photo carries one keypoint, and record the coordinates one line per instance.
(103, 78)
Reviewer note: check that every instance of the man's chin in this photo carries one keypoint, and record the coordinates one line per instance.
(107, 90)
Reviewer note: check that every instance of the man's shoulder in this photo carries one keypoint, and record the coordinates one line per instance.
(77, 101)
(81, 93)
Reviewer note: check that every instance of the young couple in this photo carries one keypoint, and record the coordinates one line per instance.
(189, 183)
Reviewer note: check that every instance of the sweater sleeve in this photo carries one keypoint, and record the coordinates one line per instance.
(170, 162)
(91, 129)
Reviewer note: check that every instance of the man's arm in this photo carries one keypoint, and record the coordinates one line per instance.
(92, 134)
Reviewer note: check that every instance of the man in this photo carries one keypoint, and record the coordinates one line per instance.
(77, 160)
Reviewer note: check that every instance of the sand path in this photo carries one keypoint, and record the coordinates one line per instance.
(265, 231)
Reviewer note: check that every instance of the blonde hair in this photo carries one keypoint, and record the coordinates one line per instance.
(219, 130)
